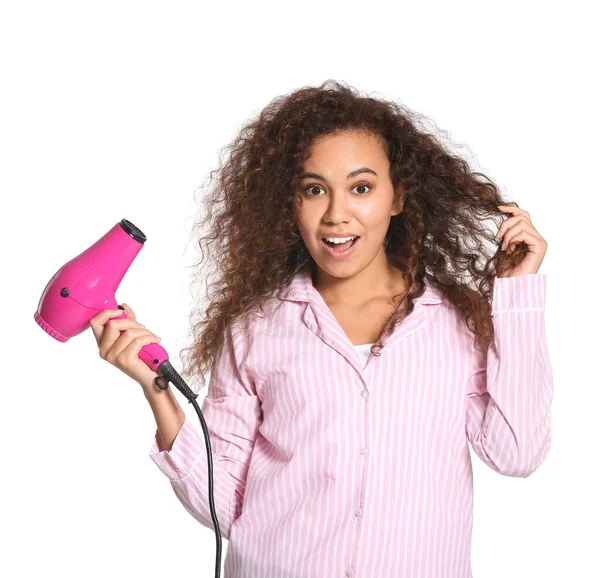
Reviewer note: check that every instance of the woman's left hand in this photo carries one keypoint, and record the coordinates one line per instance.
(516, 229)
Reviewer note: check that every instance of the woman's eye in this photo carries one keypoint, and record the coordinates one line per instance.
(361, 185)
(307, 189)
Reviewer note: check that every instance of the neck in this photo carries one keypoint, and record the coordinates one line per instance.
(379, 280)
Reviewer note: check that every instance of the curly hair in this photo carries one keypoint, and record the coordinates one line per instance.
(254, 245)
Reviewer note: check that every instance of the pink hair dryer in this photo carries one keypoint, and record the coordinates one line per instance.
(84, 287)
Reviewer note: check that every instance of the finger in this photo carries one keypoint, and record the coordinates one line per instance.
(110, 350)
(112, 332)
(129, 353)
(97, 323)
(535, 244)
(509, 223)
(129, 311)
(514, 209)
(510, 234)
(517, 234)
(115, 326)
(510, 208)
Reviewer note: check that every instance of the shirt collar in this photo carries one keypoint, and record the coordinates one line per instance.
(301, 288)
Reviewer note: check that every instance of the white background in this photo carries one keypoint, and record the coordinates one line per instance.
(116, 110)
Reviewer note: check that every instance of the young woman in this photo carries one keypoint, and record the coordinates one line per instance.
(361, 329)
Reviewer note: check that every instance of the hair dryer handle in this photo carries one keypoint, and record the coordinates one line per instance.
(153, 355)
(157, 359)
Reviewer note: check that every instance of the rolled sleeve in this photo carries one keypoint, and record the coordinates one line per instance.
(232, 412)
(188, 448)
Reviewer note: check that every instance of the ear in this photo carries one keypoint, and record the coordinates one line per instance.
(398, 202)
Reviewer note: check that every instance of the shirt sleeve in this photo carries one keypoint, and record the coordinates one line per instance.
(232, 413)
(510, 390)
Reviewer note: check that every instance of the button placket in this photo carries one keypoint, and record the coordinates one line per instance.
(358, 512)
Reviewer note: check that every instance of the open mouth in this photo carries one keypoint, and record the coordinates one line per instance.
(339, 248)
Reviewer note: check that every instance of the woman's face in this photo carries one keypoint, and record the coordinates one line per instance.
(346, 188)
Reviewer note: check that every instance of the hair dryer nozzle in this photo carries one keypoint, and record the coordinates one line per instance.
(133, 231)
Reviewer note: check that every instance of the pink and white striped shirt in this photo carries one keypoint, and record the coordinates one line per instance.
(326, 467)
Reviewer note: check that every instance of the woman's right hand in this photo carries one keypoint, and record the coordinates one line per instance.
(120, 341)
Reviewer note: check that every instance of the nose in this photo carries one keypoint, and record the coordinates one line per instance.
(339, 207)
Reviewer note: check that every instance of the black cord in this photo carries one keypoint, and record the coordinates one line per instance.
(170, 375)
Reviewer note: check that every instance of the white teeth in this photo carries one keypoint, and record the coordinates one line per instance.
(338, 240)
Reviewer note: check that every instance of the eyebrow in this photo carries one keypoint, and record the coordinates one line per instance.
(349, 176)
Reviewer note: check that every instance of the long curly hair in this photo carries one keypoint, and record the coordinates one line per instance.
(252, 240)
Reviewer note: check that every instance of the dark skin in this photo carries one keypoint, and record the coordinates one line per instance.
(516, 229)
(361, 291)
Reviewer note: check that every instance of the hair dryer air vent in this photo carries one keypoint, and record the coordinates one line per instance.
(133, 231)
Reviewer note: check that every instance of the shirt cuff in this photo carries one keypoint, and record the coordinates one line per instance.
(526, 291)
(188, 449)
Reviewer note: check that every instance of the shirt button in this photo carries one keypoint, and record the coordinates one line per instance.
(358, 513)
(364, 393)
(349, 572)
(364, 451)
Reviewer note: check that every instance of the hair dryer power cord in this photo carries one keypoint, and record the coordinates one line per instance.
(162, 382)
